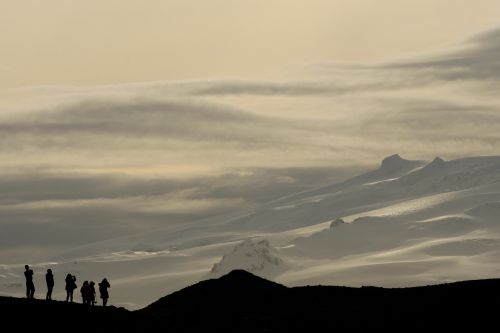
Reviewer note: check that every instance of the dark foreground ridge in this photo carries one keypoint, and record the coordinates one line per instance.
(242, 302)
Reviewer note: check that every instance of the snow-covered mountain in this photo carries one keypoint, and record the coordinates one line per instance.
(257, 257)
(405, 223)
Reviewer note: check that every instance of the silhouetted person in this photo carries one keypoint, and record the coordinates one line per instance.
(92, 293)
(30, 286)
(85, 291)
(70, 286)
(49, 278)
(103, 290)
(69, 282)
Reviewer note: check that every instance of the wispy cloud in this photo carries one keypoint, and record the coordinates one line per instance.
(145, 122)
(477, 59)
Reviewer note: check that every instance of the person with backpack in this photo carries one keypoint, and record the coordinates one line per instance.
(103, 290)
(85, 291)
(70, 286)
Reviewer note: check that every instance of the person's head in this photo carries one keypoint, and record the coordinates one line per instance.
(26, 267)
(49, 271)
(68, 276)
(85, 283)
(104, 280)
(92, 283)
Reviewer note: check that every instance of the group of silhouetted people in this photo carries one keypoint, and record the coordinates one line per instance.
(87, 290)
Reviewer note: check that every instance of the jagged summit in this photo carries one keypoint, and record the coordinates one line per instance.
(395, 162)
(338, 221)
(392, 159)
(253, 256)
(438, 160)
(436, 164)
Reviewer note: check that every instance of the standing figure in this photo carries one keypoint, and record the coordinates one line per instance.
(103, 290)
(30, 286)
(92, 293)
(70, 286)
(85, 291)
(49, 278)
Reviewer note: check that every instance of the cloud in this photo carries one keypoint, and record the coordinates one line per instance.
(434, 127)
(293, 89)
(36, 190)
(204, 88)
(477, 59)
(145, 122)
(186, 118)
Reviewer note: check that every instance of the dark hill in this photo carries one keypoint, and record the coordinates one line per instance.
(55, 316)
(242, 302)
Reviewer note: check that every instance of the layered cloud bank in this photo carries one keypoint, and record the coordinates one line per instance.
(83, 164)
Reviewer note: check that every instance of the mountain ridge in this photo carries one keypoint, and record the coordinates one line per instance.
(248, 303)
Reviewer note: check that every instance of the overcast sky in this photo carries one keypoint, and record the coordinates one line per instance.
(122, 115)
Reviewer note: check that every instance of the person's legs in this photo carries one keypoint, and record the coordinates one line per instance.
(71, 296)
(30, 290)
(49, 292)
(104, 301)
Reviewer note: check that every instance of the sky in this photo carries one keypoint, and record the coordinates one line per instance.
(117, 116)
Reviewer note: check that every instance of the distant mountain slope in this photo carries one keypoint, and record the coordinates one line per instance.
(407, 223)
(331, 201)
(391, 167)
(444, 176)
(396, 180)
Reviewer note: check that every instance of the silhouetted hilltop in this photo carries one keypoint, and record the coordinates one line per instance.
(236, 302)
(235, 286)
(59, 316)
(242, 302)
